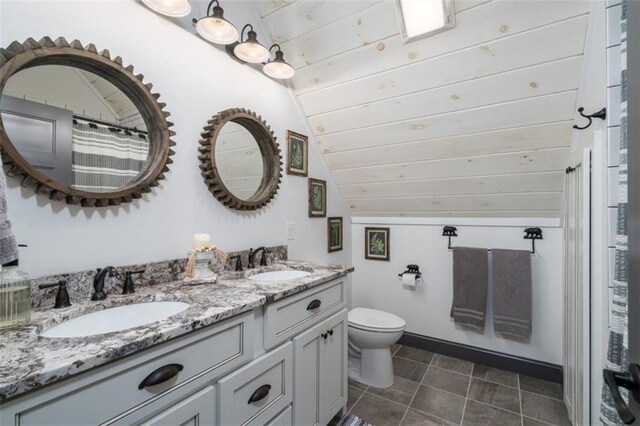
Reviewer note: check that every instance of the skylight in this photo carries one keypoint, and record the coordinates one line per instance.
(422, 18)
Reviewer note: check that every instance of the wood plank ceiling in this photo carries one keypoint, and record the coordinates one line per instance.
(475, 121)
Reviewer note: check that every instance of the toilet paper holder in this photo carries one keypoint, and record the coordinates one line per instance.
(412, 269)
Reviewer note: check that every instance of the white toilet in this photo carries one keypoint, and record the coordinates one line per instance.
(371, 334)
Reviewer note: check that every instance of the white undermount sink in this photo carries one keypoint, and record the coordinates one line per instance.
(115, 319)
(279, 275)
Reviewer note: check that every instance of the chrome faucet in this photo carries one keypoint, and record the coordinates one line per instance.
(98, 282)
(252, 255)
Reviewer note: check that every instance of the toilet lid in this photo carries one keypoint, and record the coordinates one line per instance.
(374, 319)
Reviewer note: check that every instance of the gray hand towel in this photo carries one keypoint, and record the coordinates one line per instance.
(8, 244)
(512, 292)
(470, 270)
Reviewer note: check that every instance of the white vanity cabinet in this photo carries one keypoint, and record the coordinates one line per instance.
(283, 366)
(320, 371)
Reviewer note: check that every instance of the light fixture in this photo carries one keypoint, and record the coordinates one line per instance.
(278, 67)
(251, 50)
(173, 8)
(215, 28)
(422, 18)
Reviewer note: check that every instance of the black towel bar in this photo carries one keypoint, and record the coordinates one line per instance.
(532, 234)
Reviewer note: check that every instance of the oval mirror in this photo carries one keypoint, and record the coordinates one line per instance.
(77, 125)
(240, 159)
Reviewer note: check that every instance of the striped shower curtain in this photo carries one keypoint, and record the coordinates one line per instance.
(618, 348)
(104, 159)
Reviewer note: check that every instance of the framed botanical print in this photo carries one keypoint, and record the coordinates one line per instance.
(376, 243)
(334, 232)
(317, 198)
(297, 154)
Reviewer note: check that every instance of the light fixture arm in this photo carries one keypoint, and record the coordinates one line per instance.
(275, 45)
(211, 4)
(242, 32)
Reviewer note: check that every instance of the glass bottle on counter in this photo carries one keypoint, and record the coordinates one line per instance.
(15, 296)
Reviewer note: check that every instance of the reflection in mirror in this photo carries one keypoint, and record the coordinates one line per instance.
(239, 160)
(75, 127)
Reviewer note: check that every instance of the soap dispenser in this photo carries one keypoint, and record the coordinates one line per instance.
(15, 296)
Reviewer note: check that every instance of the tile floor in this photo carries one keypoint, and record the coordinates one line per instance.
(433, 389)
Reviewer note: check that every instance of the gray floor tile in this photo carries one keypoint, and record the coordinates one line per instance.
(542, 387)
(453, 364)
(527, 421)
(415, 354)
(352, 396)
(358, 385)
(439, 403)
(378, 411)
(494, 394)
(394, 348)
(495, 375)
(477, 414)
(408, 369)
(546, 409)
(417, 418)
(401, 392)
(446, 380)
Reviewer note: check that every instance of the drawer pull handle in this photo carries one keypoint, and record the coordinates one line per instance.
(259, 394)
(161, 375)
(330, 332)
(315, 304)
(324, 336)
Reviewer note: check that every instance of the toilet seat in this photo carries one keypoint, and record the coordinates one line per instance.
(376, 321)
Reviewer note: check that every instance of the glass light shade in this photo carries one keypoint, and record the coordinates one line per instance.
(251, 51)
(278, 68)
(217, 30)
(173, 8)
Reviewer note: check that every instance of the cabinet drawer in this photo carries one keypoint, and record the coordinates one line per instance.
(198, 409)
(290, 316)
(258, 391)
(118, 390)
(283, 419)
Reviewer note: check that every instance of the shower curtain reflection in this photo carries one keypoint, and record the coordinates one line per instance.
(106, 158)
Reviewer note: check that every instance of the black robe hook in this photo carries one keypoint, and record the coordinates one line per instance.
(602, 114)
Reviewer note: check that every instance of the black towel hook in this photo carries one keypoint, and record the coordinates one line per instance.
(602, 114)
(533, 234)
(449, 231)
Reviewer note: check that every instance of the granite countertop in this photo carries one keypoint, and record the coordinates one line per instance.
(30, 361)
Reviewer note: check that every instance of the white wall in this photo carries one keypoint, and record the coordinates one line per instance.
(196, 80)
(426, 309)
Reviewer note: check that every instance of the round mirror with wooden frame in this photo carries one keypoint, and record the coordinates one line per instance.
(240, 159)
(90, 136)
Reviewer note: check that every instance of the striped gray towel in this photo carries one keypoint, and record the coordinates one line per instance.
(470, 272)
(512, 292)
(8, 244)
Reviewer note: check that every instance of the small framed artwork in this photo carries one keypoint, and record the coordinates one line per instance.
(376, 243)
(334, 232)
(317, 198)
(297, 154)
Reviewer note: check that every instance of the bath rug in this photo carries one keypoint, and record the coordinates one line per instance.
(351, 420)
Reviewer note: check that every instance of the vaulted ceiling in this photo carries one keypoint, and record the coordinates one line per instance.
(475, 121)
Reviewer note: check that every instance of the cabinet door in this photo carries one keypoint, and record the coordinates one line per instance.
(196, 410)
(334, 366)
(307, 349)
